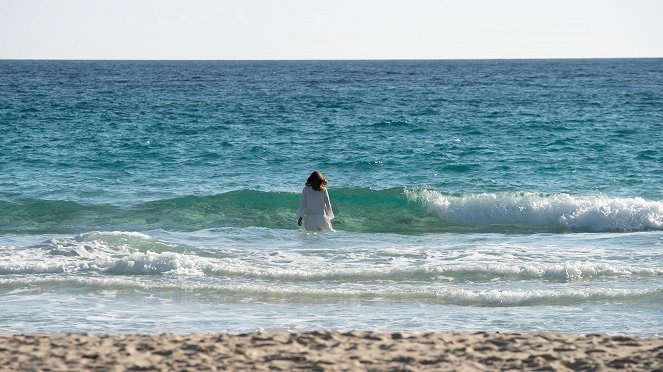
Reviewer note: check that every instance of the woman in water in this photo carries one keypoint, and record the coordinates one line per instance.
(315, 207)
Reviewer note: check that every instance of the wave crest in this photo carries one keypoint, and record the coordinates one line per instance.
(544, 212)
(299, 294)
(397, 210)
(136, 254)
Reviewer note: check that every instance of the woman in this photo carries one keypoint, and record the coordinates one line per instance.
(315, 207)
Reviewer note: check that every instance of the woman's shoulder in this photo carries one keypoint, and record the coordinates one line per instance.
(310, 189)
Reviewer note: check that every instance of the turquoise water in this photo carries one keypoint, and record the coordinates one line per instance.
(470, 195)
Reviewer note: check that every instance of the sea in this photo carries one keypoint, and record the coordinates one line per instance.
(470, 195)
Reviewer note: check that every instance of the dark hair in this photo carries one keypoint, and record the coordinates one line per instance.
(316, 181)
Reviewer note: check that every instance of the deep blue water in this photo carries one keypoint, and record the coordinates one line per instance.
(495, 195)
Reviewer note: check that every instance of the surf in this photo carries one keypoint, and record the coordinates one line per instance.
(394, 210)
(125, 253)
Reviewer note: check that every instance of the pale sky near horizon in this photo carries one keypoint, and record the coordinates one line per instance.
(316, 29)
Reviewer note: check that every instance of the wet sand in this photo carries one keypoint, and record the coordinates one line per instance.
(330, 351)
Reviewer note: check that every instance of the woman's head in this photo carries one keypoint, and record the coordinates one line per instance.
(316, 181)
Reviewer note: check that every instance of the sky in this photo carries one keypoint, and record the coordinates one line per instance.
(329, 29)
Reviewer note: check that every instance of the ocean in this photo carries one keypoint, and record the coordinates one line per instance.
(493, 195)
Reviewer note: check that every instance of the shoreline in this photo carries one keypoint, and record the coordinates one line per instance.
(330, 351)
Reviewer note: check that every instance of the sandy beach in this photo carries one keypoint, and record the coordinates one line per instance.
(330, 351)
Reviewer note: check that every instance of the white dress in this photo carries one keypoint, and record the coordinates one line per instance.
(316, 210)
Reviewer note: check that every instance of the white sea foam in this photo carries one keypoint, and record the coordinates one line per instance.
(138, 263)
(585, 213)
(133, 255)
(432, 273)
(32, 263)
(307, 294)
(123, 234)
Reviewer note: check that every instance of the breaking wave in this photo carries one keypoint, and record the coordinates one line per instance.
(136, 254)
(397, 210)
(301, 294)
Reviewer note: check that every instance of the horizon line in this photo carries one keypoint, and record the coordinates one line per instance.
(321, 59)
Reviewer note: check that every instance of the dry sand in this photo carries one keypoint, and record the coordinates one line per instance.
(329, 351)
